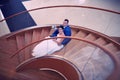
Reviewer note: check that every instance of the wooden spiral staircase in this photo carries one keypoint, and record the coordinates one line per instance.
(89, 55)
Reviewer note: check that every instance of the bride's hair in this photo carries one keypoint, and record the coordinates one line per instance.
(60, 27)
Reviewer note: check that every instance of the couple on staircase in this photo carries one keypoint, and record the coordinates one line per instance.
(51, 45)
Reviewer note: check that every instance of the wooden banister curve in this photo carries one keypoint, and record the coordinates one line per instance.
(72, 26)
(116, 71)
(69, 72)
(58, 7)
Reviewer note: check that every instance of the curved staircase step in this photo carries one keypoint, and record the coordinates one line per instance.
(81, 34)
(76, 48)
(111, 47)
(45, 32)
(74, 31)
(20, 38)
(70, 45)
(36, 35)
(80, 44)
(91, 36)
(100, 41)
(28, 40)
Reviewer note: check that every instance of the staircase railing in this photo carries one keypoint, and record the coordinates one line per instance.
(116, 71)
(115, 74)
(58, 7)
(72, 26)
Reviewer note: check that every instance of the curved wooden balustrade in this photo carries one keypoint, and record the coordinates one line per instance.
(113, 56)
(69, 72)
(74, 28)
(77, 6)
(20, 41)
(24, 38)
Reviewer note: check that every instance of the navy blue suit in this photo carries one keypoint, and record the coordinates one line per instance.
(67, 32)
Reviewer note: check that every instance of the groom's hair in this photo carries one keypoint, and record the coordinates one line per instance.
(66, 20)
(61, 26)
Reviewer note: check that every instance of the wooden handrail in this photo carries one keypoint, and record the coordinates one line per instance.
(26, 29)
(72, 26)
(97, 33)
(76, 38)
(53, 63)
(114, 75)
(58, 7)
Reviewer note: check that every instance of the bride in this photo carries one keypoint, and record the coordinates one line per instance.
(49, 46)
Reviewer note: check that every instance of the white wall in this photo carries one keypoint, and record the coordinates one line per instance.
(3, 26)
(104, 22)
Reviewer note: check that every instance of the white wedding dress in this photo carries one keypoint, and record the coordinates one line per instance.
(46, 47)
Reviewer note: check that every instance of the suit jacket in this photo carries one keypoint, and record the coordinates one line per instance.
(67, 32)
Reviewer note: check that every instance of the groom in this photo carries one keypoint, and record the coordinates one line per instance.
(67, 32)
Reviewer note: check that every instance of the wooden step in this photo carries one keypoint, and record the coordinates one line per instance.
(28, 40)
(100, 41)
(51, 30)
(20, 38)
(45, 32)
(75, 48)
(80, 34)
(71, 44)
(111, 47)
(74, 31)
(91, 37)
(80, 45)
(39, 34)
(81, 57)
(35, 37)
